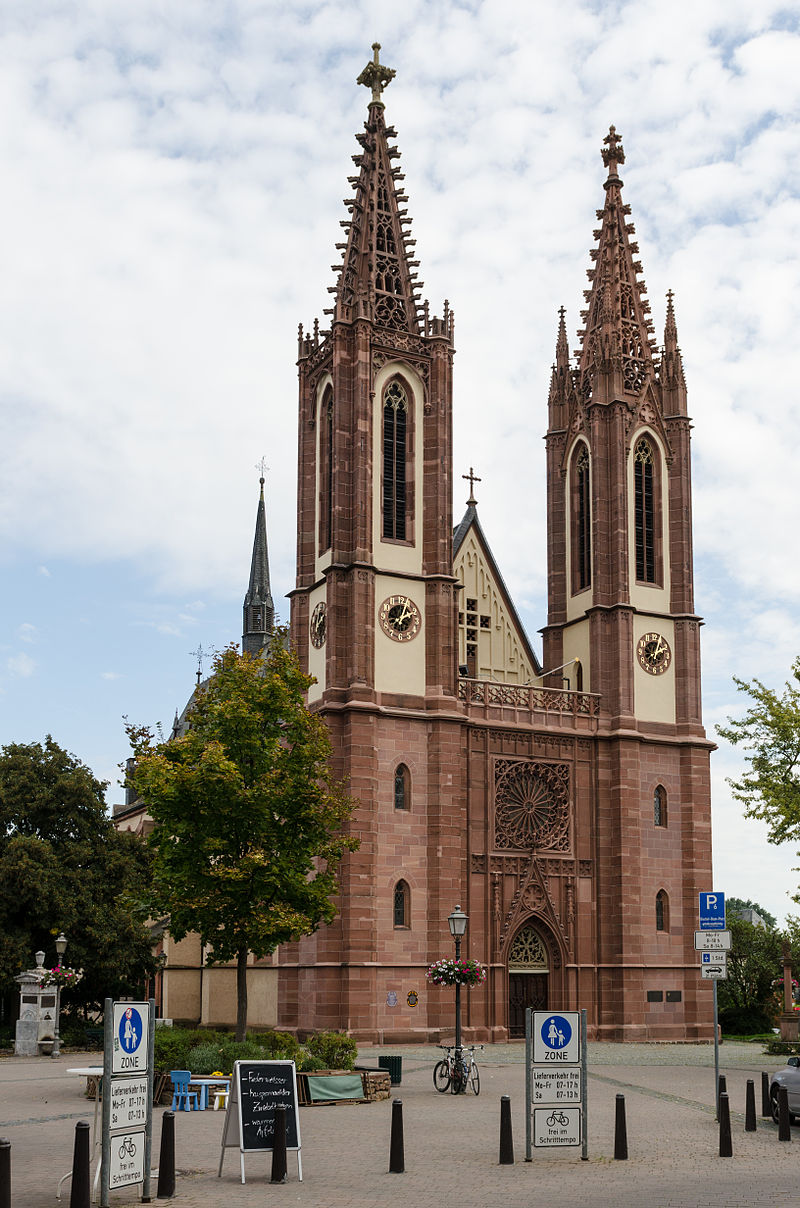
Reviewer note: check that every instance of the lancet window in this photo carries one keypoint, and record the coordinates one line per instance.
(581, 521)
(395, 458)
(326, 472)
(402, 913)
(645, 510)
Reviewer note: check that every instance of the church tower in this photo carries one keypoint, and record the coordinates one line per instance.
(374, 611)
(259, 610)
(621, 609)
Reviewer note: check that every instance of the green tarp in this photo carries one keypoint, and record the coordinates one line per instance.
(334, 1086)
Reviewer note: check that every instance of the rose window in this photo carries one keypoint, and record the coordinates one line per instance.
(531, 805)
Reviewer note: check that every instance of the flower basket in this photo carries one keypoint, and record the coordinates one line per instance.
(462, 972)
(62, 976)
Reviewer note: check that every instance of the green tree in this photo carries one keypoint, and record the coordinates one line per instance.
(248, 822)
(746, 998)
(770, 734)
(735, 904)
(64, 867)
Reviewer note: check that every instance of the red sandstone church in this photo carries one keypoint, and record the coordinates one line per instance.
(565, 806)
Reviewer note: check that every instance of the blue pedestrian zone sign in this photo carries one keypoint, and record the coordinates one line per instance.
(712, 911)
(556, 1037)
(131, 1036)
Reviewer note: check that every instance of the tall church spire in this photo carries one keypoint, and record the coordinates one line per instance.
(616, 354)
(259, 610)
(377, 279)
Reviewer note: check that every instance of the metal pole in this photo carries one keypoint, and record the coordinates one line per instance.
(458, 1010)
(105, 1118)
(584, 1090)
(528, 1081)
(716, 1055)
(148, 1128)
(56, 1049)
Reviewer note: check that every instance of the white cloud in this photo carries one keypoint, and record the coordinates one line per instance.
(110, 675)
(21, 665)
(27, 632)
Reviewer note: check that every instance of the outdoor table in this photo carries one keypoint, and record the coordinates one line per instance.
(88, 1071)
(205, 1085)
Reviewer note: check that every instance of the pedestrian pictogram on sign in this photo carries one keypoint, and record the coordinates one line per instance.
(556, 1037)
(130, 1030)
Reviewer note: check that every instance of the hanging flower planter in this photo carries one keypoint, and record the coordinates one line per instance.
(62, 976)
(462, 972)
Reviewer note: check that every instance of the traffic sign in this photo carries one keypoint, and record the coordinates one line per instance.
(714, 958)
(131, 1030)
(556, 1126)
(128, 1102)
(555, 1085)
(712, 941)
(712, 911)
(714, 972)
(556, 1038)
(127, 1159)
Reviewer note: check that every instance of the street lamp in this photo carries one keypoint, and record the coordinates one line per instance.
(61, 947)
(457, 922)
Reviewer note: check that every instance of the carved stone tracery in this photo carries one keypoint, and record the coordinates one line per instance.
(531, 805)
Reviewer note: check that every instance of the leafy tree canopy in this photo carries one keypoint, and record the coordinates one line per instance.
(770, 734)
(63, 867)
(248, 823)
(734, 904)
(747, 1002)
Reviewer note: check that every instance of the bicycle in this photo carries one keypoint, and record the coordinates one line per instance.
(455, 1076)
(127, 1147)
(557, 1118)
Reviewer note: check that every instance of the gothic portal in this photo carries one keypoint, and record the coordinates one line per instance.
(564, 803)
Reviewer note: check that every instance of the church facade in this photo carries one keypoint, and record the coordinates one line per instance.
(564, 804)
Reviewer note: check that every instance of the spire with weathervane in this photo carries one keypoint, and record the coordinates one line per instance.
(259, 610)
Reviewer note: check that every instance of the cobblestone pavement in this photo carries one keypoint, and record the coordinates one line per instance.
(451, 1143)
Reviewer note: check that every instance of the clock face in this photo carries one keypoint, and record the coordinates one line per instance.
(653, 653)
(400, 618)
(317, 626)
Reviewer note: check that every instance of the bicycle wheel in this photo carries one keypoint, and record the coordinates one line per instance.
(475, 1080)
(458, 1083)
(441, 1076)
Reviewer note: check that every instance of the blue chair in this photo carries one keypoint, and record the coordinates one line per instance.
(181, 1095)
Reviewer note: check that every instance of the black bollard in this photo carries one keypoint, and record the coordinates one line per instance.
(725, 1140)
(766, 1108)
(722, 1089)
(397, 1160)
(506, 1135)
(166, 1161)
(81, 1191)
(620, 1131)
(750, 1107)
(279, 1146)
(5, 1172)
(784, 1131)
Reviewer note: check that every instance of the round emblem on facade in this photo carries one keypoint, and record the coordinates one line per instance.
(317, 626)
(400, 618)
(653, 653)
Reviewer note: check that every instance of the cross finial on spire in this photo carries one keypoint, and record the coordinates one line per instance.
(262, 468)
(472, 478)
(376, 75)
(199, 654)
(613, 153)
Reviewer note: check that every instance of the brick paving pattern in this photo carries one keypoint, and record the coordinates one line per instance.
(451, 1143)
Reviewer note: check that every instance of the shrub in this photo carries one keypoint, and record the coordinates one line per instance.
(205, 1059)
(277, 1045)
(333, 1049)
(171, 1046)
(782, 1048)
(243, 1050)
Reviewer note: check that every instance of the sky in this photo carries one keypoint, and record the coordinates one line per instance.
(172, 187)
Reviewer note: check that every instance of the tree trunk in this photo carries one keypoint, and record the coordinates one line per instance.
(241, 994)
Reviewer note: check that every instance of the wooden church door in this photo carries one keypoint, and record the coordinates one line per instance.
(528, 977)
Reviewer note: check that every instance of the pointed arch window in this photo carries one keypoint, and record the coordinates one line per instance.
(326, 471)
(581, 520)
(646, 511)
(396, 461)
(402, 904)
(402, 788)
(659, 806)
(662, 911)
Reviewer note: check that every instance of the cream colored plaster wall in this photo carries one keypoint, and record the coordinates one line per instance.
(181, 994)
(321, 561)
(645, 597)
(654, 695)
(219, 997)
(393, 555)
(316, 657)
(576, 645)
(399, 666)
(501, 650)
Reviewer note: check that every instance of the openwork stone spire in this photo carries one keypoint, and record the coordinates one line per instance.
(259, 610)
(378, 279)
(617, 340)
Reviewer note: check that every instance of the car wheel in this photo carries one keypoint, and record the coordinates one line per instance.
(773, 1103)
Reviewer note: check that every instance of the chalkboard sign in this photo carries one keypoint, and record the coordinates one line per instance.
(257, 1088)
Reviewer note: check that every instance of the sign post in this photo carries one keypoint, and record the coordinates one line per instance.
(127, 1125)
(713, 938)
(555, 1080)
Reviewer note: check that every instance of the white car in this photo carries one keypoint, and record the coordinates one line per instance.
(789, 1077)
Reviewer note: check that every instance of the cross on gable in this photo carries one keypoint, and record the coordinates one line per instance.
(472, 478)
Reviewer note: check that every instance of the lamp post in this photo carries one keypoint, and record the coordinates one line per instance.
(457, 922)
(61, 947)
